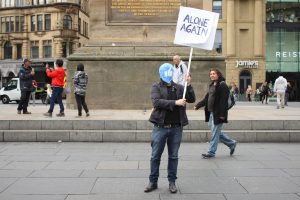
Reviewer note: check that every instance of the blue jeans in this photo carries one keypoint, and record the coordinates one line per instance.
(56, 94)
(216, 134)
(159, 138)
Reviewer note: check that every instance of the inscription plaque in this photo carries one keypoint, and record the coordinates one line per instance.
(143, 11)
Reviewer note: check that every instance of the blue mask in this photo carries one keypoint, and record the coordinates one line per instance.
(166, 72)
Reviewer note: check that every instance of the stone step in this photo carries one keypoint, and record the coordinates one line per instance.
(141, 135)
(141, 125)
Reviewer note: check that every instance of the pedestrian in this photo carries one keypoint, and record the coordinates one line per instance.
(216, 113)
(234, 90)
(26, 79)
(180, 71)
(49, 93)
(80, 83)
(280, 86)
(249, 92)
(168, 117)
(288, 92)
(32, 94)
(265, 92)
(57, 83)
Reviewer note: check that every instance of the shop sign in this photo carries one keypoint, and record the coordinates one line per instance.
(252, 64)
(287, 54)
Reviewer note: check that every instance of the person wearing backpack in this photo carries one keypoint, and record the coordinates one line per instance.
(216, 113)
(180, 70)
(80, 83)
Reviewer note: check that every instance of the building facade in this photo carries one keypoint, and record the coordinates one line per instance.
(42, 30)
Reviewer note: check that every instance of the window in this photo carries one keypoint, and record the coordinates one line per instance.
(2, 24)
(22, 23)
(34, 49)
(47, 22)
(33, 23)
(12, 24)
(19, 23)
(217, 7)
(7, 25)
(79, 25)
(218, 41)
(19, 51)
(85, 29)
(7, 51)
(39, 22)
(19, 3)
(47, 47)
(67, 22)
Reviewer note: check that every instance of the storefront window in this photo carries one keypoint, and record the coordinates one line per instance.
(218, 41)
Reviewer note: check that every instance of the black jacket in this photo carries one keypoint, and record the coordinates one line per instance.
(220, 104)
(26, 79)
(159, 94)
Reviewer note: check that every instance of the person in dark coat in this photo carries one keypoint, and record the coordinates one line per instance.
(26, 85)
(265, 91)
(168, 117)
(216, 112)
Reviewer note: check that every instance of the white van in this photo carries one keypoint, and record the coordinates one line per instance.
(11, 92)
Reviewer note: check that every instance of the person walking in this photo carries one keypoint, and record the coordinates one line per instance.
(249, 93)
(180, 71)
(80, 83)
(26, 80)
(288, 92)
(168, 117)
(280, 86)
(216, 113)
(265, 92)
(33, 92)
(57, 83)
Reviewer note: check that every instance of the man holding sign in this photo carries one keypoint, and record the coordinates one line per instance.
(168, 117)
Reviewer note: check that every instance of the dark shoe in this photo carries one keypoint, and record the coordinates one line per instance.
(172, 187)
(60, 114)
(19, 112)
(87, 114)
(26, 113)
(207, 156)
(48, 114)
(232, 149)
(151, 186)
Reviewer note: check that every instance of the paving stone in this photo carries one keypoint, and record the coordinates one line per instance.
(248, 172)
(267, 124)
(4, 173)
(182, 173)
(52, 186)
(120, 173)
(51, 173)
(118, 136)
(262, 197)
(4, 124)
(292, 172)
(268, 185)
(280, 164)
(118, 165)
(143, 136)
(197, 165)
(120, 125)
(232, 164)
(198, 185)
(192, 197)
(33, 197)
(25, 124)
(86, 136)
(238, 125)
(97, 157)
(5, 182)
(273, 136)
(143, 125)
(70, 165)
(37, 158)
(26, 165)
(138, 196)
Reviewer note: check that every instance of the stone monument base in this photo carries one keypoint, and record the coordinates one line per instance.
(121, 75)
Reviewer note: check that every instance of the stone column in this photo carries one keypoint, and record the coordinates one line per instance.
(258, 28)
(14, 51)
(41, 49)
(25, 49)
(58, 48)
(1, 51)
(230, 28)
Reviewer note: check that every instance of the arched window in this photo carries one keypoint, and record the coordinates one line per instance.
(67, 22)
(7, 50)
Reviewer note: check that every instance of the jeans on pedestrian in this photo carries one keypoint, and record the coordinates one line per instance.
(80, 99)
(159, 138)
(216, 135)
(23, 104)
(56, 95)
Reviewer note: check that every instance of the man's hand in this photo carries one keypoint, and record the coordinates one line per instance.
(47, 66)
(222, 118)
(32, 71)
(180, 102)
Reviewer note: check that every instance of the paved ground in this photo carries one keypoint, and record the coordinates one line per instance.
(119, 171)
(242, 111)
